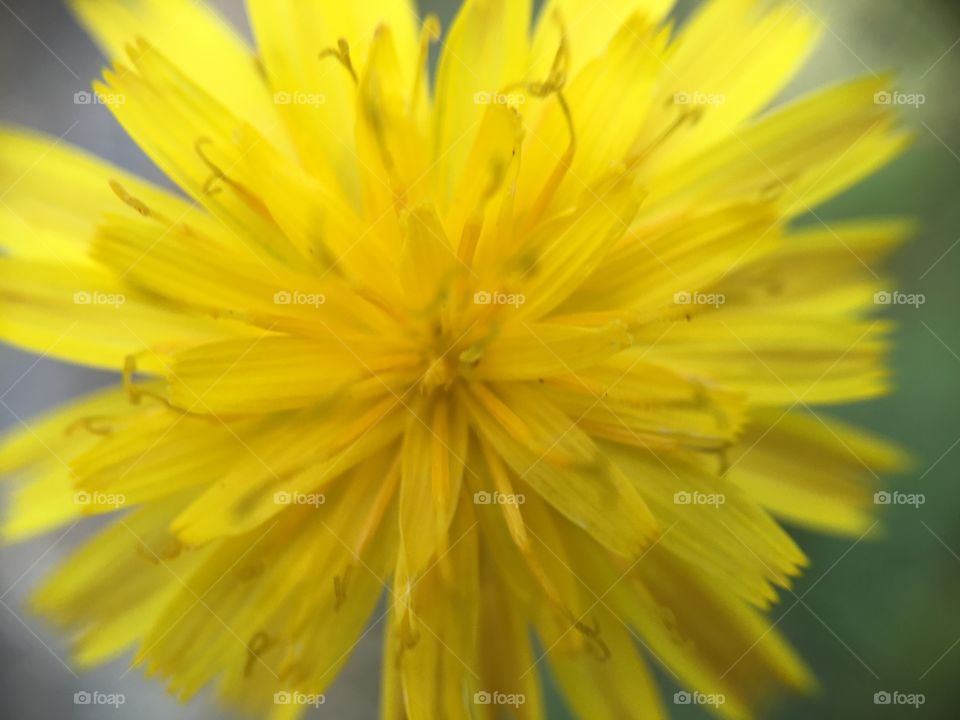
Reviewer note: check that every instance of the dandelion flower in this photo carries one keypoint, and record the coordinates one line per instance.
(528, 349)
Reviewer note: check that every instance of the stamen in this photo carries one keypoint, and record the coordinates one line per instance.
(342, 54)
(473, 227)
(90, 425)
(689, 115)
(258, 645)
(471, 357)
(777, 188)
(251, 572)
(553, 85)
(367, 532)
(218, 175)
(134, 392)
(408, 635)
(128, 199)
(592, 634)
(429, 33)
(208, 186)
(260, 67)
(170, 551)
(137, 392)
(340, 583)
(518, 532)
(440, 373)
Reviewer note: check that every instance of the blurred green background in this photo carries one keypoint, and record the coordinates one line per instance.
(878, 614)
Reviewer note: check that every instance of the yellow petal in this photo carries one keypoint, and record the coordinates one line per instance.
(495, 148)
(819, 473)
(159, 454)
(712, 642)
(270, 373)
(190, 136)
(558, 461)
(621, 687)
(654, 264)
(33, 165)
(563, 252)
(802, 153)
(256, 585)
(277, 472)
(532, 351)
(712, 524)
(712, 82)
(110, 589)
(197, 40)
(61, 428)
(313, 624)
(644, 405)
(505, 655)
(589, 28)
(434, 457)
(776, 358)
(819, 270)
(624, 76)
(485, 51)
(435, 622)
(315, 93)
(87, 315)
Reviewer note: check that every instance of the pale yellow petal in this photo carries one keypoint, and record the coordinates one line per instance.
(197, 40)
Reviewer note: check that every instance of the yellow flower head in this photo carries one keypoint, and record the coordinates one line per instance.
(529, 349)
